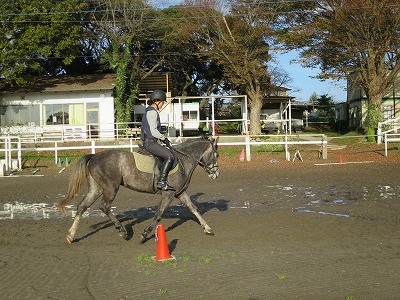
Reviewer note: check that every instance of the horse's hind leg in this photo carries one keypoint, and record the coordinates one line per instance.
(165, 201)
(105, 206)
(92, 195)
(185, 199)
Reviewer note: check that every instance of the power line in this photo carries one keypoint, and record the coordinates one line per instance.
(135, 9)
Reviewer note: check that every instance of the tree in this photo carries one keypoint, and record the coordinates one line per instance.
(125, 34)
(194, 76)
(325, 106)
(354, 39)
(39, 38)
(238, 42)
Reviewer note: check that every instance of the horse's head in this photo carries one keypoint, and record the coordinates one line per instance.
(209, 160)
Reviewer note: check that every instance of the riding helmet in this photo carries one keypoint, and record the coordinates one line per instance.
(158, 95)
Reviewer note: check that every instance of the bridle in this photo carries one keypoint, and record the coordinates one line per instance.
(210, 169)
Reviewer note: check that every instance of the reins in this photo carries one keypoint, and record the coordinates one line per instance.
(184, 154)
(202, 164)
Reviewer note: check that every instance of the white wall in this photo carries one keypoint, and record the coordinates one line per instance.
(103, 98)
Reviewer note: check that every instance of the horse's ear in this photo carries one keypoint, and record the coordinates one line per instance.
(214, 141)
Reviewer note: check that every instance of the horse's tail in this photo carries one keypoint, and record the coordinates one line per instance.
(77, 179)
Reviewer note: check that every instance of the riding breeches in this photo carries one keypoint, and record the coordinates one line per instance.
(158, 150)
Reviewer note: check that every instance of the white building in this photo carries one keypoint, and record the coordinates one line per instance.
(72, 107)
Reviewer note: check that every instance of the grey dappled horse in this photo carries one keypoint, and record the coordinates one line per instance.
(106, 171)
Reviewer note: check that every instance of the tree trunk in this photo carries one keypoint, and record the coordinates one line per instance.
(256, 103)
(375, 93)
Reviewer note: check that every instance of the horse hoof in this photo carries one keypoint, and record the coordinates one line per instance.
(122, 234)
(142, 239)
(70, 240)
(209, 232)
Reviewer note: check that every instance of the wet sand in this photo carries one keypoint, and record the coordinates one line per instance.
(283, 230)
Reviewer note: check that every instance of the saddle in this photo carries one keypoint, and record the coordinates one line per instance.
(148, 163)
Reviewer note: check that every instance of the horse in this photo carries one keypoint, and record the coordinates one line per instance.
(106, 171)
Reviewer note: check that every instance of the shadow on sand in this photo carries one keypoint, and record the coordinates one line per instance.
(180, 212)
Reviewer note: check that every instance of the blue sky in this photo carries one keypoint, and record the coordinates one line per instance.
(303, 85)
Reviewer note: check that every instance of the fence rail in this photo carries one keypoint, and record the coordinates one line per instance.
(390, 138)
(8, 150)
(393, 124)
(14, 145)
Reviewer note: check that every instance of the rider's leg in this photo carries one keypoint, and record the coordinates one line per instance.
(168, 161)
(166, 167)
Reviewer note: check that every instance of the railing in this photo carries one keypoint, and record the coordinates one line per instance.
(8, 143)
(286, 141)
(394, 125)
(390, 137)
(14, 144)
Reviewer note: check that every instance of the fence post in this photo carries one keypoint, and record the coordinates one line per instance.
(287, 154)
(324, 147)
(6, 153)
(10, 154)
(93, 145)
(379, 134)
(247, 139)
(19, 153)
(386, 148)
(55, 152)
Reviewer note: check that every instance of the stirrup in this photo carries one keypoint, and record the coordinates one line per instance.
(164, 186)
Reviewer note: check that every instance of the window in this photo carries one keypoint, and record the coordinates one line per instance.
(387, 112)
(189, 115)
(56, 114)
(19, 115)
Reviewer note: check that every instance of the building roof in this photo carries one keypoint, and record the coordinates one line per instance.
(66, 84)
(158, 80)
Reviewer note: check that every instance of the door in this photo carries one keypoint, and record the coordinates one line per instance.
(92, 111)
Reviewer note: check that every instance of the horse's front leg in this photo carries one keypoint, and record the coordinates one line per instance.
(185, 199)
(165, 201)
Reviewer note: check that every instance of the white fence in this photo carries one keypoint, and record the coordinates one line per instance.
(390, 137)
(14, 147)
(388, 131)
(387, 127)
(7, 149)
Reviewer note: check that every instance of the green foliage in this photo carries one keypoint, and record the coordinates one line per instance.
(39, 38)
(343, 40)
(145, 258)
(126, 91)
(370, 135)
(374, 116)
(281, 276)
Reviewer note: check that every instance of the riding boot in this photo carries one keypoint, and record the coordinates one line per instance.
(162, 183)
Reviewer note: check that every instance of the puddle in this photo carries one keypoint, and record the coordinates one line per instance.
(328, 201)
(38, 211)
(306, 210)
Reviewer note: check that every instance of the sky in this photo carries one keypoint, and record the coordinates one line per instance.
(302, 84)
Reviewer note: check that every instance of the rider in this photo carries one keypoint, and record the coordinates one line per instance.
(152, 137)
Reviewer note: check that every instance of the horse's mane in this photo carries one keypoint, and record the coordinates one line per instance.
(192, 142)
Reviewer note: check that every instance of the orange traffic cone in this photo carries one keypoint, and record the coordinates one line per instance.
(242, 154)
(162, 251)
(340, 159)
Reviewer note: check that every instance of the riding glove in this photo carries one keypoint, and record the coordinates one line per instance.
(167, 142)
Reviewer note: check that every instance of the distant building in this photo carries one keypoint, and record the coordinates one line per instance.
(78, 107)
(358, 103)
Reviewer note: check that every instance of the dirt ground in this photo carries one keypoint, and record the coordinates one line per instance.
(283, 230)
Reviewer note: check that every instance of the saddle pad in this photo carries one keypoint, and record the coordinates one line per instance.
(146, 163)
